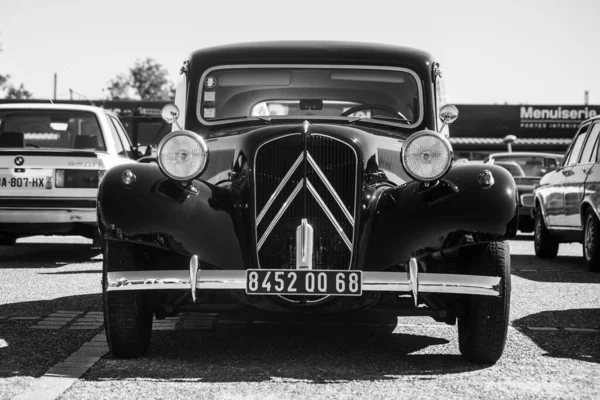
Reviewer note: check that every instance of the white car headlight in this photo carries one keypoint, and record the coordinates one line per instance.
(426, 156)
(182, 155)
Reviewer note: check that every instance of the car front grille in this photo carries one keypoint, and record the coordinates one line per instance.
(312, 177)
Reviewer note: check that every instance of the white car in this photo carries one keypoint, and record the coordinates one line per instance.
(52, 158)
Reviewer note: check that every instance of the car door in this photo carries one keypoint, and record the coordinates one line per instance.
(592, 183)
(575, 182)
(568, 179)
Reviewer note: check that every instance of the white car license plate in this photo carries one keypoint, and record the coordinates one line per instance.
(304, 282)
(23, 182)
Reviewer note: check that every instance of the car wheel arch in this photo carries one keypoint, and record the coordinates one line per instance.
(540, 209)
(587, 204)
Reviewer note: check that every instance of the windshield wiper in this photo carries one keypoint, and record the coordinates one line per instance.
(381, 118)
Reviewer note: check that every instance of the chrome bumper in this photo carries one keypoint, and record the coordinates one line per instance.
(49, 215)
(409, 282)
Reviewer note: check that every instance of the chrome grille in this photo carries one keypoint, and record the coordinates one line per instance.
(310, 177)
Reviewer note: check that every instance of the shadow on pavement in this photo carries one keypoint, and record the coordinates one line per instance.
(87, 271)
(316, 352)
(30, 352)
(584, 346)
(566, 269)
(26, 255)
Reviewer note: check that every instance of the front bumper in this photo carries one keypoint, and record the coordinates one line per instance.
(15, 215)
(409, 282)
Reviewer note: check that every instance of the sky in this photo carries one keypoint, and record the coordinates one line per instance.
(491, 52)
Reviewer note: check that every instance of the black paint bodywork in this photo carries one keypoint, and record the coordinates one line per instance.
(397, 218)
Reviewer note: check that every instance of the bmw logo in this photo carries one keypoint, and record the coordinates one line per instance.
(19, 160)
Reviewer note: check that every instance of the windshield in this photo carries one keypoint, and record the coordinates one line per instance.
(525, 166)
(50, 129)
(392, 94)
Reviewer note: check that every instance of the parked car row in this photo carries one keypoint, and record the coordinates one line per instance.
(295, 181)
(567, 200)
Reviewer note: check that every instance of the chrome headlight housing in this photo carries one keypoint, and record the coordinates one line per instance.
(426, 156)
(182, 155)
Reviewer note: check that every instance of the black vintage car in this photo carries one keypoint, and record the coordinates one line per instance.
(313, 179)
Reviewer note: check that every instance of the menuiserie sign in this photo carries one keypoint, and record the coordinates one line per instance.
(523, 121)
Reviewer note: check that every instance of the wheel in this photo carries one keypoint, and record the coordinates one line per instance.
(127, 317)
(591, 241)
(482, 331)
(7, 240)
(545, 245)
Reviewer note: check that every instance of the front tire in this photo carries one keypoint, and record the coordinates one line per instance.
(545, 245)
(127, 316)
(482, 331)
(591, 241)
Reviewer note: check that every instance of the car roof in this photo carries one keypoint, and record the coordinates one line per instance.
(57, 106)
(591, 119)
(311, 51)
(524, 154)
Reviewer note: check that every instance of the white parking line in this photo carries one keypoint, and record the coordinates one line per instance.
(60, 377)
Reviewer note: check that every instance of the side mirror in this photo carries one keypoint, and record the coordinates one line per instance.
(170, 114)
(448, 114)
(550, 164)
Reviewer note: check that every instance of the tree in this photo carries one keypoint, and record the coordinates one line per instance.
(10, 90)
(18, 93)
(119, 87)
(147, 79)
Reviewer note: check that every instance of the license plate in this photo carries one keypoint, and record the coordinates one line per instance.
(22, 182)
(304, 282)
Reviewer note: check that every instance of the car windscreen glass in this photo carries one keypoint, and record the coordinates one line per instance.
(50, 129)
(298, 92)
(524, 166)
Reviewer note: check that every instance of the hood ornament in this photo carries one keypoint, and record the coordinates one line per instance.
(305, 126)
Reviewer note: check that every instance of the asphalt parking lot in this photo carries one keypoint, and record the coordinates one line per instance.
(51, 326)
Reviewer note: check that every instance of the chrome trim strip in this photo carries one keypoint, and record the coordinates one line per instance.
(304, 245)
(148, 280)
(418, 83)
(329, 187)
(432, 283)
(413, 276)
(327, 211)
(371, 281)
(194, 275)
(279, 188)
(284, 207)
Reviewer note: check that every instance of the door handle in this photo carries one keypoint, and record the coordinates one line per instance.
(567, 172)
(586, 170)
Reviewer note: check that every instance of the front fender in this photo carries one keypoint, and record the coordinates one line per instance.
(411, 220)
(157, 211)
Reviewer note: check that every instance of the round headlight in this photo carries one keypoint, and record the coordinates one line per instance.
(426, 156)
(182, 155)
